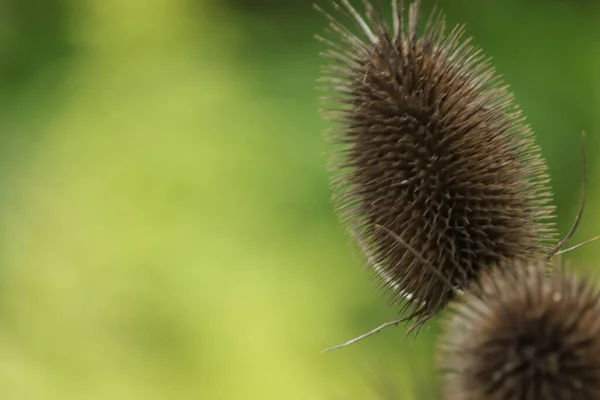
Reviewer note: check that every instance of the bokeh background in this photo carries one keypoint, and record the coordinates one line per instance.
(166, 229)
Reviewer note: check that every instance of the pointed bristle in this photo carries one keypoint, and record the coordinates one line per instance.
(522, 335)
(431, 147)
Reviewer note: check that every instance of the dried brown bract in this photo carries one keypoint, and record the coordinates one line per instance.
(430, 149)
(522, 335)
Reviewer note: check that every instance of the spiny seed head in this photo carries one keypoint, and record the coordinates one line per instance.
(522, 335)
(431, 147)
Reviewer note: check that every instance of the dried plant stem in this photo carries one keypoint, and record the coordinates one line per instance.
(571, 232)
(577, 245)
(366, 335)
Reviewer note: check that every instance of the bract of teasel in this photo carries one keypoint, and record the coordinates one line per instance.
(522, 334)
(430, 149)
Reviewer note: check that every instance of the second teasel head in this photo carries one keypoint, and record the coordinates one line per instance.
(519, 334)
(431, 149)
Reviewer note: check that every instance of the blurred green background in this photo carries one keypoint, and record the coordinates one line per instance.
(166, 224)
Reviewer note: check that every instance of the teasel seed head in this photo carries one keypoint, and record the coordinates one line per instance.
(430, 146)
(522, 335)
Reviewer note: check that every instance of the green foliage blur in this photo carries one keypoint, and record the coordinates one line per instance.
(166, 229)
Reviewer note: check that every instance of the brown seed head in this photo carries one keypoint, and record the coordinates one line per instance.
(432, 148)
(521, 335)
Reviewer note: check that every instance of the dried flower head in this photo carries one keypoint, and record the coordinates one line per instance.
(522, 335)
(432, 150)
